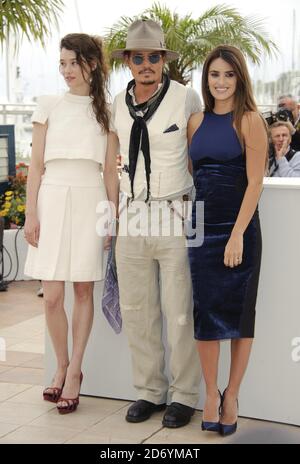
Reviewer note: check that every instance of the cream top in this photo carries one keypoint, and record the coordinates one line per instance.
(73, 131)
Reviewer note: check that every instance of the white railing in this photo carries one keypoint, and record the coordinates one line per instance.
(15, 109)
(19, 114)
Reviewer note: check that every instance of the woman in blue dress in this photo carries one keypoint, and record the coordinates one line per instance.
(228, 148)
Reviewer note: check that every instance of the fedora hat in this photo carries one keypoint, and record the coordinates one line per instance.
(145, 34)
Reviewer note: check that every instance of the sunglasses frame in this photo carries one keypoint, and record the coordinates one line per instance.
(148, 58)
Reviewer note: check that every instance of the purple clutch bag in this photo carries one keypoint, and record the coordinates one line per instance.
(110, 298)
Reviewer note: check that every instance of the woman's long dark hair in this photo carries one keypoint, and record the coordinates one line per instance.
(89, 49)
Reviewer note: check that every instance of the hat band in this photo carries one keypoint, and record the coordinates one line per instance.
(144, 43)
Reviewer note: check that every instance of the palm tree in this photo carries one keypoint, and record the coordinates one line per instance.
(194, 38)
(32, 18)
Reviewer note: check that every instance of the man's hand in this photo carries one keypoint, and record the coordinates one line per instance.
(283, 150)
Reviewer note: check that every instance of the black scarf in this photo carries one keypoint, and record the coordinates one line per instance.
(139, 136)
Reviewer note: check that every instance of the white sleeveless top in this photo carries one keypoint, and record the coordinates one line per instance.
(73, 131)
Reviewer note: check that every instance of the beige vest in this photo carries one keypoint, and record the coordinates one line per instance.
(168, 151)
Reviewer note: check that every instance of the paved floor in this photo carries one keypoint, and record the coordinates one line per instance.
(26, 418)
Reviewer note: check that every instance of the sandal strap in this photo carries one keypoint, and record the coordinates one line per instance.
(70, 402)
(55, 390)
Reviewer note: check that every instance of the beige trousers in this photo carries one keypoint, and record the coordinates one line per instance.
(154, 280)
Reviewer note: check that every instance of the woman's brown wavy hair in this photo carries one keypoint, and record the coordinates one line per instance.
(244, 99)
(89, 49)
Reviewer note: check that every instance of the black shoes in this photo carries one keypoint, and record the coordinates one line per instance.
(141, 410)
(177, 415)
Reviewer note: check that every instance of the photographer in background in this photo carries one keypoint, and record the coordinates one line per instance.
(288, 104)
(283, 160)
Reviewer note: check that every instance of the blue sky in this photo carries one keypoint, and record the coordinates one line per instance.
(39, 68)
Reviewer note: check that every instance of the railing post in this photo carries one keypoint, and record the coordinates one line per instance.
(4, 115)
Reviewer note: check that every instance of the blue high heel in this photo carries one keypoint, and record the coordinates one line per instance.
(228, 429)
(212, 426)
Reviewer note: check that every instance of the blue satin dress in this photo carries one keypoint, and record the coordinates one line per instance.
(224, 297)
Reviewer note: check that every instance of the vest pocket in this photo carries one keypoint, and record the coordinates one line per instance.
(164, 143)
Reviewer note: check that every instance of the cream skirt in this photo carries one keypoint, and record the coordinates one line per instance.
(69, 247)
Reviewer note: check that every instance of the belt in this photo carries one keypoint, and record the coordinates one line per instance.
(170, 203)
(185, 197)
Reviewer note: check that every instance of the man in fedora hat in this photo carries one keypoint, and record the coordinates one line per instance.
(150, 118)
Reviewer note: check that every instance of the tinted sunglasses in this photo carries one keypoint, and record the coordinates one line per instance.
(153, 58)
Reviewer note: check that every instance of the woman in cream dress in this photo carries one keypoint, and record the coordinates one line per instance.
(71, 140)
